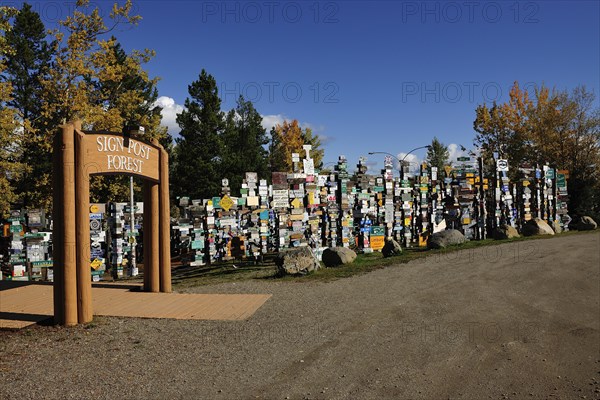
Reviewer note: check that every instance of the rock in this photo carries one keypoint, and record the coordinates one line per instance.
(296, 261)
(449, 237)
(586, 223)
(536, 226)
(391, 248)
(334, 256)
(505, 232)
(556, 226)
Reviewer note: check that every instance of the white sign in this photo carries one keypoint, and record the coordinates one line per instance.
(309, 166)
(502, 165)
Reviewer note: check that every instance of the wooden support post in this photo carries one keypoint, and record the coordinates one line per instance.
(68, 277)
(151, 237)
(82, 197)
(165, 225)
(57, 229)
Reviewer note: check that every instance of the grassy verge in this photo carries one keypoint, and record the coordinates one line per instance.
(226, 272)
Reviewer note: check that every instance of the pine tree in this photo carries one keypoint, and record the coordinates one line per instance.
(438, 154)
(317, 153)
(28, 62)
(244, 143)
(26, 66)
(199, 151)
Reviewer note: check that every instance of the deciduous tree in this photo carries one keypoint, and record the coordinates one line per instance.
(289, 138)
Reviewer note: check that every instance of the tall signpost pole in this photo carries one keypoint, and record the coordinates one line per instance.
(132, 239)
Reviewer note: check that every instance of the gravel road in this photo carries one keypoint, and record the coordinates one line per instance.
(518, 320)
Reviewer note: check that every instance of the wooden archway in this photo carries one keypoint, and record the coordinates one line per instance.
(77, 156)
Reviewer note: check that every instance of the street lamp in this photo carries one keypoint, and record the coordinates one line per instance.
(401, 162)
(428, 146)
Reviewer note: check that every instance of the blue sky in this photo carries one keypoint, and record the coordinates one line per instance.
(366, 75)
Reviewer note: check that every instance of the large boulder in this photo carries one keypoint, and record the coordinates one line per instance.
(585, 223)
(449, 237)
(391, 248)
(536, 226)
(296, 261)
(334, 256)
(505, 232)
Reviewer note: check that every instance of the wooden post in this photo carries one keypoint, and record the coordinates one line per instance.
(68, 277)
(57, 231)
(82, 196)
(165, 225)
(151, 237)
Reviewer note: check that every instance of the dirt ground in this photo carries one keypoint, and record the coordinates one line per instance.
(518, 320)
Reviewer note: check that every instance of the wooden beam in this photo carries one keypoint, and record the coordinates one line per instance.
(82, 197)
(165, 225)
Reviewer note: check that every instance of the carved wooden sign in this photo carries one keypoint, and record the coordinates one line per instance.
(108, 153)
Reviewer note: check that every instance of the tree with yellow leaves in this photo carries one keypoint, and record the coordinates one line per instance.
(93, 80)
(11, 124)
(288, 138)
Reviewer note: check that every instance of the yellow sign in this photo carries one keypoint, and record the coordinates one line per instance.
(96, 263)
(226, 203)
(296, 203)
(448, 170)
(377, 242)
(94, 208)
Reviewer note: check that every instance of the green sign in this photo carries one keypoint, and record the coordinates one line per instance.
(197, 244)
(550, 173)
(216, 202)
(378, 230)
(404, 183)
(34, 235)
(378, 189)
(16, 228)
(43, 264)
(561, 180)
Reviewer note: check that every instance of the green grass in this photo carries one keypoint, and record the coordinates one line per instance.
(225, 273)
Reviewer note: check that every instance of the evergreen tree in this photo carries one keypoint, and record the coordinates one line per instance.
(26, 66)
(28, 62)
(437, 154)
(316, 153)
(243, 144)
(199, 168)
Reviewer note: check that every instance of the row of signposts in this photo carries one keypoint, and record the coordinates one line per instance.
(326, 209)
(312, 208)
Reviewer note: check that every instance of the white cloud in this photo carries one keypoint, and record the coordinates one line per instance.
(412, 159)
(457, 150)
(169, 112)
(269, 121)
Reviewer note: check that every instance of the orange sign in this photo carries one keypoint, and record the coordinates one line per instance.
(377, 242)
